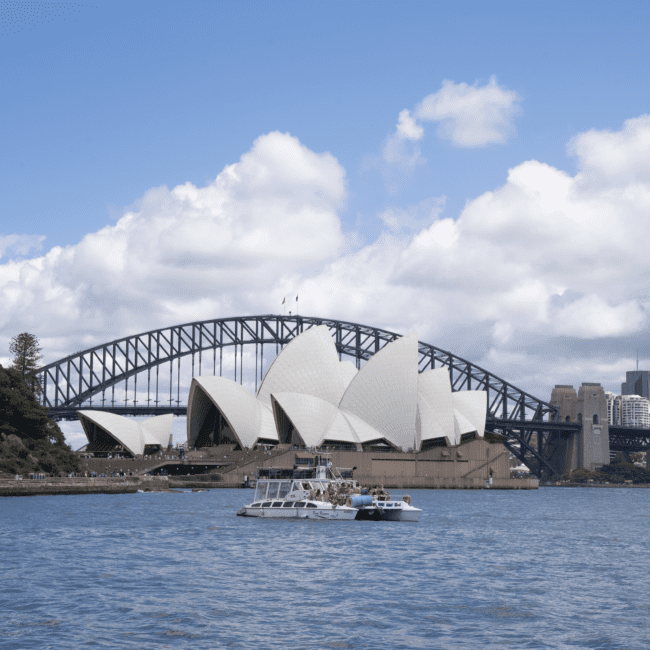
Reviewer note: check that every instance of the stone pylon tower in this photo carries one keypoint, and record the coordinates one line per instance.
(563, 445)
(589, 448)
(593, 442)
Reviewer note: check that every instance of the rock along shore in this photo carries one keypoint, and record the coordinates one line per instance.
(82, 485)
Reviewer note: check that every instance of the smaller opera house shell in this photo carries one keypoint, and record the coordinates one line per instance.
(108, 432)
(309, 398)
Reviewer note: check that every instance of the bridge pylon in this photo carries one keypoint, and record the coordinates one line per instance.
(586, 447)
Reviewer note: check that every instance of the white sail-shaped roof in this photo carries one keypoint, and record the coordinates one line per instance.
(462, 425)
(470, 409)
(309, 364)
(132, 434)
(347, 372)
(307, 389)
(436, 406)
(157, 430)
(267, 431)
(340, 430)
(363, 432)
(310, 416)
(236, 403)
(384, 392)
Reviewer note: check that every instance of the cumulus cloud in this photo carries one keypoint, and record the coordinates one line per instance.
(19, 245)
(187, 252)
(535, 280)
(547, 255)
(467, 116)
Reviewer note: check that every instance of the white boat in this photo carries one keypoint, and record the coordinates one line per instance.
(317, 493)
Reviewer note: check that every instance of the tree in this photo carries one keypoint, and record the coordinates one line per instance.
(29, 440)
(27, 357)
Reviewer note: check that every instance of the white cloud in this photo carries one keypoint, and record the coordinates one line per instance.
(546, 256)
(187, 252)
(535, 280)
(20, 244)
(467, 116)
(413, 218)
(471, 116)
(407, 128)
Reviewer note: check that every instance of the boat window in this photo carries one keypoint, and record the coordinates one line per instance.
(256, 505)
(300, 504)
(287, 504)
(284, 489)
(273, 491)
(266, 504)
(277, 504)
(312, 505)
(260, 492)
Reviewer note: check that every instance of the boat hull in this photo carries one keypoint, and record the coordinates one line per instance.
(378, 512)
(338, 513)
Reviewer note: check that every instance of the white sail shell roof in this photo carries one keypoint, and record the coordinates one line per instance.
(341, 430)
(384, 392)
(470, 409)
(132, 434)
(267, 424)
(436, 407)
(311, 416)
(362, 430)
(325, 399)
(157, 430)
(237, 404)
(347, 372)
(309, 364)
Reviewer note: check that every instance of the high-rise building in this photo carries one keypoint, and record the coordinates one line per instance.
(635, 411)
(637, 382)
(613, 408)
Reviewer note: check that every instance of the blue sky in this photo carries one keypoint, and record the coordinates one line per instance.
(539, 276)
(136, 95)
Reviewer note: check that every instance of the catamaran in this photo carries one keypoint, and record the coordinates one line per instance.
(321, 492)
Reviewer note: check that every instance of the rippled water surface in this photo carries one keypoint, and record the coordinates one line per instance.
(552, 568)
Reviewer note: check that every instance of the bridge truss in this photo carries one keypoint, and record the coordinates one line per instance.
(146, 371)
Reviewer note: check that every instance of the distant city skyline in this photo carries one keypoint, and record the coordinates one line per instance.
(473, 172)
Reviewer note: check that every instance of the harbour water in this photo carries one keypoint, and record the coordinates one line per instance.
(550, 568)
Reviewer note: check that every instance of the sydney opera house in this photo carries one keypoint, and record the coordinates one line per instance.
(107, 432)
(309, 398)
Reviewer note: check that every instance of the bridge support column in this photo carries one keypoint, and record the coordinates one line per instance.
(588, 448)
(562, 450)
(594, 437)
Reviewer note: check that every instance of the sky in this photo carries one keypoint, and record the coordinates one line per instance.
(477, 172)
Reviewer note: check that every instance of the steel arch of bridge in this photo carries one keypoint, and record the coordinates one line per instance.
(72, 382)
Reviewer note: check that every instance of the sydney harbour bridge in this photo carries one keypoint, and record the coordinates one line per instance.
(150, 374)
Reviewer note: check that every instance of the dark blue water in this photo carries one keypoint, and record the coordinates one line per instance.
(553, 568)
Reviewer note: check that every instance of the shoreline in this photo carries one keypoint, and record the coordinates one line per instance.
(132, 485)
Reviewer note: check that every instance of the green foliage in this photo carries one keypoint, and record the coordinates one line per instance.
(617, 472)
(29, 440)
(27, 357)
